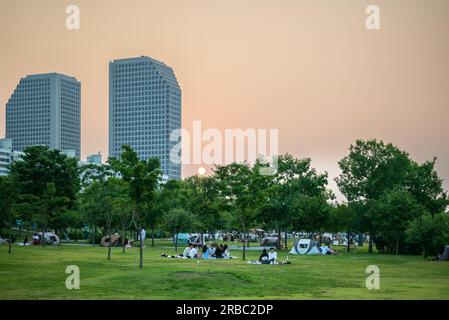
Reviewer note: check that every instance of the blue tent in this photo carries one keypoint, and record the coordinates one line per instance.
(183, 238)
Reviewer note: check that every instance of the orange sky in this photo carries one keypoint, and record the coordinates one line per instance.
(309, 68)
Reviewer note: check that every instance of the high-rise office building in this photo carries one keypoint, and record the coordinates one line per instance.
(144, 109)
(45, 109)
(94, 158)
(7, 156)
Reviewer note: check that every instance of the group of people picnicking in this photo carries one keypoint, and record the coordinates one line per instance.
(327, 250)
(202, 251)
(221, 251)
(268, 257)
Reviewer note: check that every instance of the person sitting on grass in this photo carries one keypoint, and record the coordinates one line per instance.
(212, 250)
(185, 253)
(264, 257)
(272, 256)
(193, 252)
(187, 250)
(331, 250)
(218, 254)
(205, 252)
(324, 250)
(226, 253)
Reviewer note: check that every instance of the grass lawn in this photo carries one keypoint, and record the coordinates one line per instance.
(39, 273)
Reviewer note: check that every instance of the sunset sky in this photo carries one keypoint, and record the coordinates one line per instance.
(308, 68)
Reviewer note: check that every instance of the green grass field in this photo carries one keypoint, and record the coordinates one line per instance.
(39, 273)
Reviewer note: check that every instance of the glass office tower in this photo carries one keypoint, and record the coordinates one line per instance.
(45, 109)
(144, 109)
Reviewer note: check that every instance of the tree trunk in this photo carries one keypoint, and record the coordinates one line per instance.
(279, 239)
(285, 240)
(94, 234)
(176, 240)
(123, 238)
(244, 242)
(9, 241)
(347, 240)
(397, 244)
(43, 237)
(152, 236)
(370, 245)
(141, 248)
(110, 243)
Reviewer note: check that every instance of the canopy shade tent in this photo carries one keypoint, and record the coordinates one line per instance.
(444, 256)
(182, 238)
(116, 241)
(50, 238)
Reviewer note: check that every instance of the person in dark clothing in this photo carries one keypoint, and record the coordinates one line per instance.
(219, 252)
(264, 256)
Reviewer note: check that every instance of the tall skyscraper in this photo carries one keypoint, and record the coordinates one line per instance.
(45, 109)
(144, 109)
(7, 156)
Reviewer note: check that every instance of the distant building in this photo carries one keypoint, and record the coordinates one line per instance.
(91, 159)
(144, 109)
(69, 153)
(90, 168)
(45, 109)
(7, 156)
(94, 158)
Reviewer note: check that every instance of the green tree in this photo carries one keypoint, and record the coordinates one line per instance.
(293, 180)
(429, 233)
(350, 218)
(48, 207)
(90, 206)
(201, 199)
(122, 209)
(142, 177)
(8, 196)
(373, 169)
(242, 191)
(102, 199)
(71, 218)
(46, 175)
(424, 184)
(313, 214)
(177, 220)
(94, 172)
(110, 192)
(170, 195)
(391, 214)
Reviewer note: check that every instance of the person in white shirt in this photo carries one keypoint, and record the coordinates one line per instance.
(143, 234)
(272, 256)
(187, 250)
(226, 253)
(212, 250)
(193, 252)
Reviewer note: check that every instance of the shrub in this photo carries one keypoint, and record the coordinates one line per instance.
(429, 233)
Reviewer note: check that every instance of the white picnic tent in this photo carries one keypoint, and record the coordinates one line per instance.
(305, 246)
